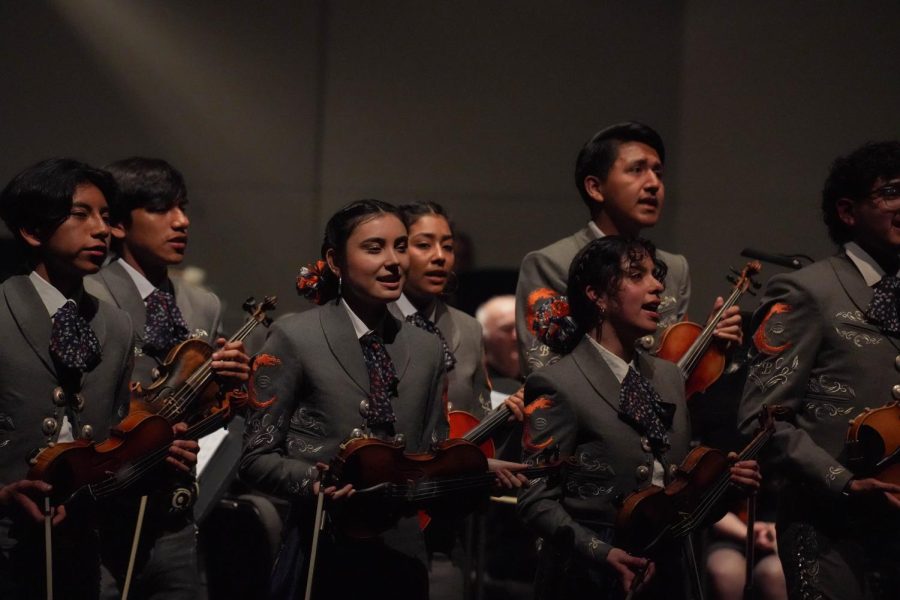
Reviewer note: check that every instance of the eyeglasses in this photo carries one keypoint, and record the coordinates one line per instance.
(888, 196)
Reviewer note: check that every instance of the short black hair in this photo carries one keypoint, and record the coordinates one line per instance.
(40, 197)
(852, 177)
(145, 183)
(600, 152)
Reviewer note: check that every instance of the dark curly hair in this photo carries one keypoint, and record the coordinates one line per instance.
(599, 265)
(852, 176)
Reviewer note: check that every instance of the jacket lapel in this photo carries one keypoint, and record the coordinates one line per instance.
(448, 328)
(597, 372)
(344, 344)
(397, 343)
(126, 295)
(28, 310)
(852, 282)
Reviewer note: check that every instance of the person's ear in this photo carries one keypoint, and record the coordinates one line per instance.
(846, 211)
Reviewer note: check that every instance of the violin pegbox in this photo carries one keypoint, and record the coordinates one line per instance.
(743, 279)
(258, 310)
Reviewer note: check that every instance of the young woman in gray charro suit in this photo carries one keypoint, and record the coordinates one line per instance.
(574, 406)
(313, 370)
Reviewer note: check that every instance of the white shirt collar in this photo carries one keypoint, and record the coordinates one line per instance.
(144, 287)
(51, 297)
(407, 308)
(595, 230)
(868, 268)
(358, 326)
(618, 366)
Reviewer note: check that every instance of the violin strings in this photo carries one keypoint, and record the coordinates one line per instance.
(481, 430)
(124, 477)
(181, 399)
(690, 360)
(712, 497)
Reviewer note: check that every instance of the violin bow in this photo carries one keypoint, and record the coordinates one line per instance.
(750, 551)
(134, 546)
(48, 546)
(318, 522)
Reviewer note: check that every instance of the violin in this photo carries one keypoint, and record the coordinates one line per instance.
(656, 516)
(873, 443)
(688, 345)
(450, 481)
(184, 388)
(142, 439)
(465, 426)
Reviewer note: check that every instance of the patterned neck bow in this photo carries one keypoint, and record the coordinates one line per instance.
(422, 323)
(165, 325)
(884, 309)
(382, 380)
(72, 341)
(644, 409)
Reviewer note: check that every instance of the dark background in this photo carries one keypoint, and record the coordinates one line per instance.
(280, 112)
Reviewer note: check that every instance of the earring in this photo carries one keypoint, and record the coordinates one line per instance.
(340, 282)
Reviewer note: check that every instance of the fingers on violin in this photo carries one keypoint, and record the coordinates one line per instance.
(181, 455)
(24, 493)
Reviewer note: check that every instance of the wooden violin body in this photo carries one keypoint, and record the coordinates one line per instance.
(676, 341)
(76, 466)
(656, 516)
(690, 346)
(873, 442)
(391, 484)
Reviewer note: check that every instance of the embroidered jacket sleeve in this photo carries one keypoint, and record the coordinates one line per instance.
(787, 344)
(277, 377)
(550, 423)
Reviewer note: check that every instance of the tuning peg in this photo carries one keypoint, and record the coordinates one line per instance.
(267, 321)
(756, 285)
(751, 292)
(270, 302)
(731, 279)
(735, 271)
(249, 304)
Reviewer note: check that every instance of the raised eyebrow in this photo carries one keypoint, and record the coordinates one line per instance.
(373, 240)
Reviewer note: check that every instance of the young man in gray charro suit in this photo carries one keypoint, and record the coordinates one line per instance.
(65, 366)
(619, 174)
(150, 230)
(827, 345)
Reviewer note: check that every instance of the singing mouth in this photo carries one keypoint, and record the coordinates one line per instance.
(651, 201)
(389, 278)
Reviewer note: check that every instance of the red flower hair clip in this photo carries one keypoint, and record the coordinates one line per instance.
(310, 281)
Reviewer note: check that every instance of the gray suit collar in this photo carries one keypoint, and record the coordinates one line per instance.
(27, 309)
(852, 281)
(444, 321)
(344, 344)
(601, 377)
(597, 373)
(854, 285)
(125, 293)
(583, 237)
